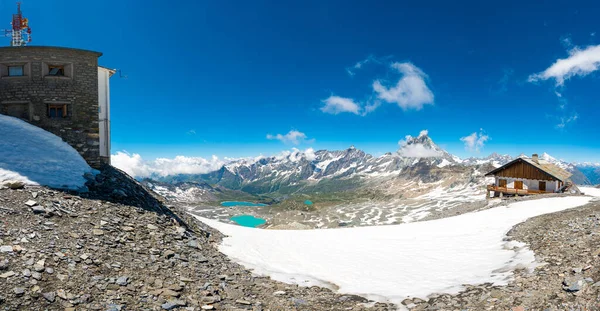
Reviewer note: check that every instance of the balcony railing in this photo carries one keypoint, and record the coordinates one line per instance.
(515, 191)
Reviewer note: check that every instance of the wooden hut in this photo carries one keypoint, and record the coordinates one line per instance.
(525, 176)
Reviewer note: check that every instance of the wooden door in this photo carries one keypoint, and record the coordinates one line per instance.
(542, 186)
(502, 183)
(518, 184)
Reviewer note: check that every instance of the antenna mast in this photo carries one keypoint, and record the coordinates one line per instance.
(20, 33)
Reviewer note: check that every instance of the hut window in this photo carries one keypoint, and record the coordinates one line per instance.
(57, 111)
(518, 184)
(502, 183)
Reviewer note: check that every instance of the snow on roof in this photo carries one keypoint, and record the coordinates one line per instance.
(36, 157)
(391, 263)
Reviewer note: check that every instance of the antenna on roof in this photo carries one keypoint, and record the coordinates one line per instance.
(121, 75)
(21, 32)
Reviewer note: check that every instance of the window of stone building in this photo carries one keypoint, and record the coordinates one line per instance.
(15, 71)
(56, 70)
(58, 111)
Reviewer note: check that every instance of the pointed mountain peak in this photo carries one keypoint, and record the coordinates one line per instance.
(547, 157)
(423, 146)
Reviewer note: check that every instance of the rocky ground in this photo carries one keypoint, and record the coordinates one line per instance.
(568, 243)
(118, 248)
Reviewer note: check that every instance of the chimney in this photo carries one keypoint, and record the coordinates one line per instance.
(535, 158)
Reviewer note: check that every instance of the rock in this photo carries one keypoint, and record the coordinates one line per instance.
(27, 273)
(31, 203)
(114, 307)
(38, 209)
(34, 194)
(169, 293)
(50, 296)
(3, 264)
(169, 253)
(39, 266)
(6, 249)
(207, 307)
(62, 294)
(279, 293)
(97, 232)
(127, 228)
(49, 270)
(577, 270)
(176, 287)
(151, 227)
(19, 291)
(496, 293)
(123, 281)
(119, 193)
(7, 274)
(193, 244)
(575, 286)
(244, 302)
(36, 276)
(14, 185)
(172, 304)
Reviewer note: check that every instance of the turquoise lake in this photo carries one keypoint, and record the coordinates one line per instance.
(248, 221)
(241, 203)
(308, 202)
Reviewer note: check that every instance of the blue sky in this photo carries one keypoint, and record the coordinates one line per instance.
(217, 77)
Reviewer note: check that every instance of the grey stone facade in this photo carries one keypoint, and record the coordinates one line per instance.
(36, 96)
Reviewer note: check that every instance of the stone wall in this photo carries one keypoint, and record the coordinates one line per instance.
(29, 96)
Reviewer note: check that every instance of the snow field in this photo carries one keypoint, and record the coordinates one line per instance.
(391, 263)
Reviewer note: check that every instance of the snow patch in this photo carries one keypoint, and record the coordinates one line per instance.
(34, 156)
(444, 163)
(391, 263)
(591, 191)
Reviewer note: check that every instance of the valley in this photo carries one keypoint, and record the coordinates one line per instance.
(346, 188)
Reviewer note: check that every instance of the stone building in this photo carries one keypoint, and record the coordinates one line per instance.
(61, 90)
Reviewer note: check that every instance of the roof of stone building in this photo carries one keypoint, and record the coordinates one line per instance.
(43, 47)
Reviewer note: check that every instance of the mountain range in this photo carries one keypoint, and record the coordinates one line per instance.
(323, 171)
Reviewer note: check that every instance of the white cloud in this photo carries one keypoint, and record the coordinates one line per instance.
(337, 104)
(134, 165)
(310, 154)
(475, 141)
(418, 151)
(293, 137)
(579, 63)
(564, 121)
(410, 92)
(408, 148)
(191, 132)
(370, 59)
